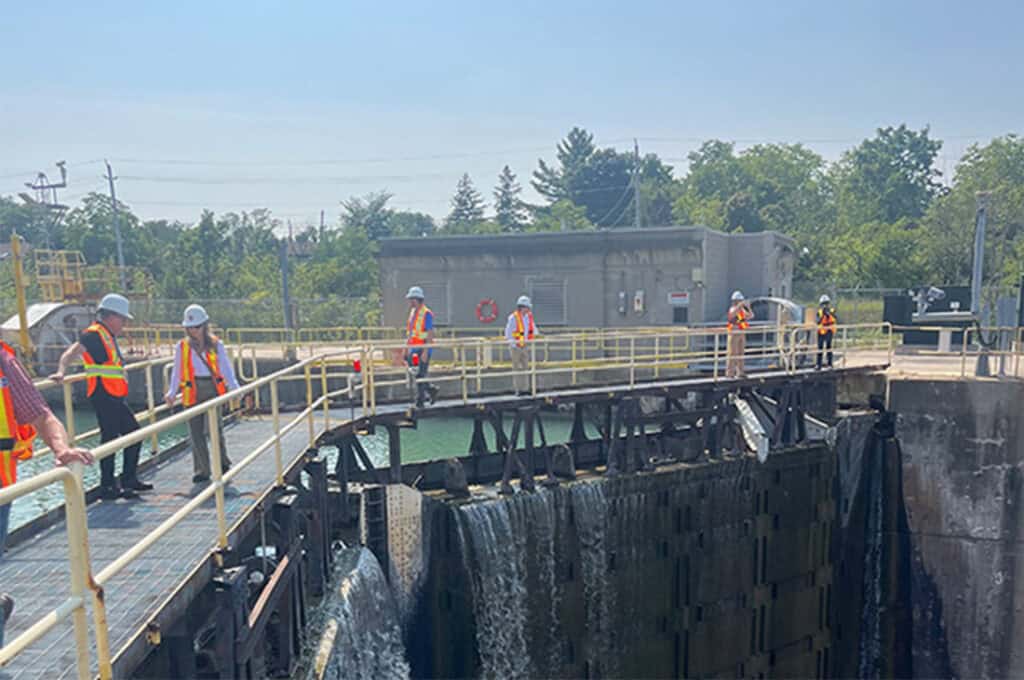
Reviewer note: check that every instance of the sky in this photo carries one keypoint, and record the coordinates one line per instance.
(295, 106)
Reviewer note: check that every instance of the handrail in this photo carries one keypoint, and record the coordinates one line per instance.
(466, 364)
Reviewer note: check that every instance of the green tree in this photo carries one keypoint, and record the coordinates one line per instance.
(561, 215)
(509, 210)
(467, 207)
(370, 212)
(412, 224)
(573, 153)
(888, 177)
(948, 234)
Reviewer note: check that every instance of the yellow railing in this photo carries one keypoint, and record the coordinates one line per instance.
(75, 508)
(464, 367)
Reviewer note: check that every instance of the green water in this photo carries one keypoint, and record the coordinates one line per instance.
(434, 438)
(33, 505)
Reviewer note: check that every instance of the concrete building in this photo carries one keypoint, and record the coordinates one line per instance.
(662, 276)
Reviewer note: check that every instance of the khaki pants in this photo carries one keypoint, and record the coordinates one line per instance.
(737, 347)
(197, 432)
(521, 366)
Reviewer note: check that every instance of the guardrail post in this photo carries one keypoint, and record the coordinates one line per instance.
(657, 356)
(309, 403)
(533, 368)
(632, 360)
(78, 546)
(963, 353)
(69, 411)
(464, 379)
(275, 413)
(323, 392)
(151, 407)
(714, 341)
(572, 362)
(212, 424)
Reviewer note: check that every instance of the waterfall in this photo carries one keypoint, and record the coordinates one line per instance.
(516, 551)
(361, 616)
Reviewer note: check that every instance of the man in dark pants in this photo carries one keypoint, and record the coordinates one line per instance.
(108, 391)
(826, 328)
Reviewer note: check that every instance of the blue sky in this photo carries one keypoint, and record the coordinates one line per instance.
(296, 105)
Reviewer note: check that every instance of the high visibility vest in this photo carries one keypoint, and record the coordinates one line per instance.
(15, 438)
(524, 329)
(416, 330)
(188, 372)
(111, 373)
(737, 319)
(826, 321)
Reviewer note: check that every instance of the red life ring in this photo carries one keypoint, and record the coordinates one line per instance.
(489, 316)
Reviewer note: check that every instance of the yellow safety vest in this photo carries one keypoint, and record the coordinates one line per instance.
(111, 373)
(524, 328)
(188, 372)
(416, 326)
(15, 438)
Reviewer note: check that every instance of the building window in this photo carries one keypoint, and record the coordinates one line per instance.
(548, 297)
(680, 314)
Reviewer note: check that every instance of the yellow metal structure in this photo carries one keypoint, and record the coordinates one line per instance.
(19, 290)
(61, 274)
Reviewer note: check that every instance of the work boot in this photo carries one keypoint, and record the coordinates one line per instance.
(110, 492)
(433, 390)
(200, 479)
(136, 485)
(6, 608)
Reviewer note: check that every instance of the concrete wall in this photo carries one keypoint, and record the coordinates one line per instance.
(721, 569)
(962, 458)
(458, 272)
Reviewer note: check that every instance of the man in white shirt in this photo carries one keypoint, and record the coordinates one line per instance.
(519, 331)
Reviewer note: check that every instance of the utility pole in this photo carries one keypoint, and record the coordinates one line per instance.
(46, 198)
(117, 228)
(321, 225)
(636, 184)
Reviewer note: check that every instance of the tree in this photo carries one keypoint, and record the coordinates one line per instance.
(573, 153)
(412, 224)
(948, 233)
(467, 207)
(369, 212)
(509, 210)
(889, 177)
(561, 215)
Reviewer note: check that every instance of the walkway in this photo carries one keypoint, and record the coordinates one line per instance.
(36, 571)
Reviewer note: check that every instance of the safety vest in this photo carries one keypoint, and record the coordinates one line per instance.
(111, 373)
(826, 321)
(737, 319)
(416, 327)
(188, 372)
(524, 329)
(15, 438)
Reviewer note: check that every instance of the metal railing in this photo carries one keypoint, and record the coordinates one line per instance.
(74, 605)
(464, 367)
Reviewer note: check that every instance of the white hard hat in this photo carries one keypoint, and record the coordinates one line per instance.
(415, 292)
(737, 295)
(118, 304)
(523, 301)
(195, 315)
(823, 299)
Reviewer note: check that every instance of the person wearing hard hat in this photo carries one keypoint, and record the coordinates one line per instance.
(107, 389)
(826, 317)
(419, 335)
(737, 322)
(520, 330)
(202, 371)
(23, 415)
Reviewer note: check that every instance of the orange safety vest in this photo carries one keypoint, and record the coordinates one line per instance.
(111, 373)
(416, 326)
(737, 319)
(826, 321)
(188, 372)
(15, 438)
(524, 329)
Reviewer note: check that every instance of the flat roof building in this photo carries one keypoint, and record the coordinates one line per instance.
(622, 277)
